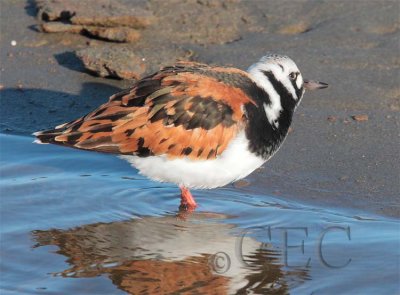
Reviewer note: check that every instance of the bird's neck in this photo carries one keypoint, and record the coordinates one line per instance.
(269, 117)
(265, 138)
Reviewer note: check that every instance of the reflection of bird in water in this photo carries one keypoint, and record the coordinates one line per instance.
(195, 125)
(162, 255)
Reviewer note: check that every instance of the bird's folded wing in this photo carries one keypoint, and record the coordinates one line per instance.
(184, 111)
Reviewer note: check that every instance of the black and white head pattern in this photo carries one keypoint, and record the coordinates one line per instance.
(279, 76)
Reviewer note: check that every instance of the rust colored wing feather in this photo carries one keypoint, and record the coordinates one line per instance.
(189, 110)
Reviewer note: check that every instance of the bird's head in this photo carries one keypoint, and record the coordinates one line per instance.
(281, 71)
(281, 79)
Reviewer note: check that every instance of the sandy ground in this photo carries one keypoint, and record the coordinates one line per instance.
(329, 159)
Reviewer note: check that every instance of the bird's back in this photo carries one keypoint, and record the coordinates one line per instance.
(188, 110)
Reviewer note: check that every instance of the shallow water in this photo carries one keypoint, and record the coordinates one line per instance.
(75, 222)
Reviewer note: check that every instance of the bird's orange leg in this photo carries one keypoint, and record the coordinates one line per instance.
(187, 201)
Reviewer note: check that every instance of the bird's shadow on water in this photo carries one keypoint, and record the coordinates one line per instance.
(25, 110)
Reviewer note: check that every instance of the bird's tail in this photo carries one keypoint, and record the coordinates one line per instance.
(60, 135)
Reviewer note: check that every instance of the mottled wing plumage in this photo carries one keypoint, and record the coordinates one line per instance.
(189, 110)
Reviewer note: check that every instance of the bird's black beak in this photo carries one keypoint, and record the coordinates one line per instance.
(313, 85)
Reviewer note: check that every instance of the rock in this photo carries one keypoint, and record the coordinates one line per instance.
(104, 19)
(107, 13)
(57, 27)
(112, 61)
(129, 61)
(159, 45)
(136, 22)
(360, 118)
(121, 34)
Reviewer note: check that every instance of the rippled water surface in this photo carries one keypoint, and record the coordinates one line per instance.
(75, 222)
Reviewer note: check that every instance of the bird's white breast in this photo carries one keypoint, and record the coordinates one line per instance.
(234, 163)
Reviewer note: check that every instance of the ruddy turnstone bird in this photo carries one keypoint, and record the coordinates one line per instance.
(192, 124)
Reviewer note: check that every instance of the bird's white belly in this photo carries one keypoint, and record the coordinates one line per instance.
(234, 163)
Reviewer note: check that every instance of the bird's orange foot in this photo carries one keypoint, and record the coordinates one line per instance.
(187, 201)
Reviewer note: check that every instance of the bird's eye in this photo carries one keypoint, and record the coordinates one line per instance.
(292, 76)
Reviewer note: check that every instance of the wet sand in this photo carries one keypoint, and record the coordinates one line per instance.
(329, 159)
